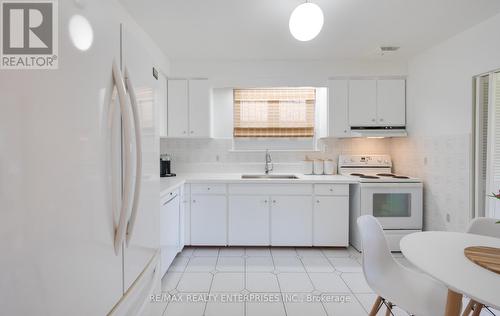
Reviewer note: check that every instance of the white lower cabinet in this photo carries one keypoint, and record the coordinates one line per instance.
(291, 221)
(267, 214)
(248, 220)
(331, 221)
(208, 220)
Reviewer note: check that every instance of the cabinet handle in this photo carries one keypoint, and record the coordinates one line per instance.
(381, 120)
(183, 132)
(331, 189)
(265, 201)
(194, 201)
(317, 201)
(374, 120)
(208, 188)
(274, 201)
(191, 132)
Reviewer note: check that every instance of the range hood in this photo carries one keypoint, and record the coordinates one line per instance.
(378, 131)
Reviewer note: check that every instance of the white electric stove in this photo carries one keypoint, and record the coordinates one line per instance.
(395, 200)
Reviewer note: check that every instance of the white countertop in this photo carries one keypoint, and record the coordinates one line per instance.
(169, 184)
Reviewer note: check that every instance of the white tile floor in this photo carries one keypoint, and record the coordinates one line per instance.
(237, 281)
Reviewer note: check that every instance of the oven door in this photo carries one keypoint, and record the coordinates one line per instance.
(395, 205)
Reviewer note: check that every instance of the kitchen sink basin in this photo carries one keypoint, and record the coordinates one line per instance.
(269, 176)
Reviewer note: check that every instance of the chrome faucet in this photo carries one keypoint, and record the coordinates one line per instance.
(269, 160)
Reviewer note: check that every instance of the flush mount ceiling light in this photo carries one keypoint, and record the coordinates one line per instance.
(306, 21)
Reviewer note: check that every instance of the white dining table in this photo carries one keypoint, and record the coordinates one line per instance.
(441, 255)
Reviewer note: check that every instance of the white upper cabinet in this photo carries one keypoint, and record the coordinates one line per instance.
(189, 108)
(162, 105)
(178, 111)
(338, 108)
(199, 108)
(391, 102)
(363, 102)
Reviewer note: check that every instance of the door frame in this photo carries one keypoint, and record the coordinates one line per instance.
(474, 155)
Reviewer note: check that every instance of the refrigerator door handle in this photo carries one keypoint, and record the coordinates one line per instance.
(138, 152)
(127, 176)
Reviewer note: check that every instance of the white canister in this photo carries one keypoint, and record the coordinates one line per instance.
(307, 166)
(329, 167)
(318, 166)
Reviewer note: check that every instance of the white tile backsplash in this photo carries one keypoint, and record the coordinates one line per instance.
(443, 163)
(216, 155)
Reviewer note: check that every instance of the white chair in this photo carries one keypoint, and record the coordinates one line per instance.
(486, 227)
(414, 292)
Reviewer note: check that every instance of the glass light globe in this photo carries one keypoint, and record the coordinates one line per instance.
(306, 21)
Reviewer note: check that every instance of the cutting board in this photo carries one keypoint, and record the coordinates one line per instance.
(486, 257)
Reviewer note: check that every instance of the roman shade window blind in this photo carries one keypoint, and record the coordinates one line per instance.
(274, 112)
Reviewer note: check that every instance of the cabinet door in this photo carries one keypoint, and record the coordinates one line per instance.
(177, 108)
(182, 219)
(187, 214)
(391, 102)
(291, 220)
(199, 108)
(208, 220)
(163, 105)
(169, 231)
(331, 221)
(248, 220)
(362, 102)
(338, 107)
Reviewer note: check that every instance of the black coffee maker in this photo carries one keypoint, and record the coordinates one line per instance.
(165, 170)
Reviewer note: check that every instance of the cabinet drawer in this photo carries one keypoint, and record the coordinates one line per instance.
(208, 188)
(270, 189)
(331, 189)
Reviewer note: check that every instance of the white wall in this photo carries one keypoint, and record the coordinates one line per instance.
(440, 105)
(440, 80)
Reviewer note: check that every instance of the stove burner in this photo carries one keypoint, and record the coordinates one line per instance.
(369, 177)
(392, 176)
(357, 174)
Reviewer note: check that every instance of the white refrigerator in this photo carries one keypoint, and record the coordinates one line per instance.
(79, 179)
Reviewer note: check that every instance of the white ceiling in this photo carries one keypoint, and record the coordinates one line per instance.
(258, 29)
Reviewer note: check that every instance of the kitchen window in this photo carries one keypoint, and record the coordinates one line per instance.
(274, 112)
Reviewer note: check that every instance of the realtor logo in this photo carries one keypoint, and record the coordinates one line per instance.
(29, 35)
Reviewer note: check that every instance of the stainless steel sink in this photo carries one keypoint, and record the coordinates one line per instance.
(269, 176)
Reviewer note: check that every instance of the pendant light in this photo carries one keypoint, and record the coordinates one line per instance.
(306, 21)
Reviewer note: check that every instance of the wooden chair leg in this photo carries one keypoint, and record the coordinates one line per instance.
(477, 309)
(468, 308)
(376, 306)
(389, 309)
(453, 303)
